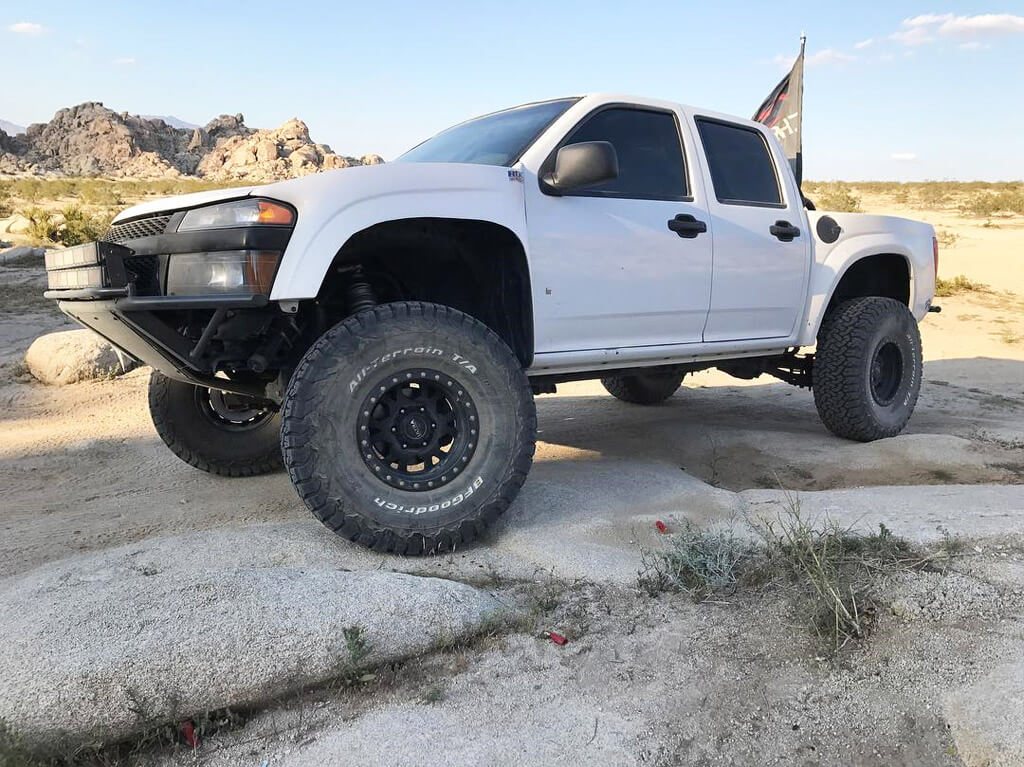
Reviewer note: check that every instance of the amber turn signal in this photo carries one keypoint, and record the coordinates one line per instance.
(273, 213)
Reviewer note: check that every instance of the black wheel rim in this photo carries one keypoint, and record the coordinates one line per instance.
(886, 372)
(417, 429)
(232, 412)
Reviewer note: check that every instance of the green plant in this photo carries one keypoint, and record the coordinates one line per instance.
(356, 645)
(432, 694)
(42, 228)
(834, 567)
(80, 227)
(698, 562)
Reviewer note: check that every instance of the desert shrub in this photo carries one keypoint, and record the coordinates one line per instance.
(987, 202)
(979, 204)
(80, 227)
(828, 571)
(42, 227)
(100, 193)
(698, 562)
(832, 568)
(959, 284)
(946, 238)
(934, 194)
(837, 198)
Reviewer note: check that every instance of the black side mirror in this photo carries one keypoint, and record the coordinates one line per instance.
(581, 165)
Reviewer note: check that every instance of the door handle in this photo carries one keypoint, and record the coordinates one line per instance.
(784, 230)
(687, 226)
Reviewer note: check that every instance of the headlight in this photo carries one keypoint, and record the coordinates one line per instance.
(227, 271)
(247, 212)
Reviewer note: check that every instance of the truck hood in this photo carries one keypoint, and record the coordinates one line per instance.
(181, 201)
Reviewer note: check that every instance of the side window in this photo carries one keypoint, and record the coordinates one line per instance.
(650, 154)
(741, 166)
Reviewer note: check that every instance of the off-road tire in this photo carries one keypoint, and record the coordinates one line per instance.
(198, 438)
(351, 485)
(643, 388)
(857, 339)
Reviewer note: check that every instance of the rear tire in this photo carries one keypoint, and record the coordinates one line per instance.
(643, 388)
(408, 428)
(213, 431)
(867, 368)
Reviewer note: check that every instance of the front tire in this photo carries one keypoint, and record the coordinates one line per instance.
(867, 368)
(408, 428)
(643, 388)
(214, 431)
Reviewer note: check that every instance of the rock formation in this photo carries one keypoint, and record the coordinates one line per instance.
(92, 140)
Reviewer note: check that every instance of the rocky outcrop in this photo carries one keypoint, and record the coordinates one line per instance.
(100, 646)
(271, 155)
(92, 140)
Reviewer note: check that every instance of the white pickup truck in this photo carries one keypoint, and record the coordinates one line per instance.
(382, 330)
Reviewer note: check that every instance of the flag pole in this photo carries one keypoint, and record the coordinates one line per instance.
(800, 173)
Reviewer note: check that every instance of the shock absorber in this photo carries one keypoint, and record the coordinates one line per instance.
(359, 295)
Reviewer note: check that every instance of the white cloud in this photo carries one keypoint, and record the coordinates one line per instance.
(28, 28)
(929, 27)
(828, 56)
(864, 44)
(903, 156)
(125, 62)
(974, 45)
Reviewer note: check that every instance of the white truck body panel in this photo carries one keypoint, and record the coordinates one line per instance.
(334, 206)
(611, 285)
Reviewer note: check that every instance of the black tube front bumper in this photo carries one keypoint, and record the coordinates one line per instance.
(131, 324)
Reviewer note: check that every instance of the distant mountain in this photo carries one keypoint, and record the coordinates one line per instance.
(92, 140)
(173, 121)
(10, 128)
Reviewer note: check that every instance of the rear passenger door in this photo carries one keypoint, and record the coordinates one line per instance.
(761, 249)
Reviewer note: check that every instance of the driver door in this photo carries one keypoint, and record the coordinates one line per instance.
(607, 271)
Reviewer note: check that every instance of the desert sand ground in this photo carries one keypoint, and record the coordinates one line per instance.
(649, 680)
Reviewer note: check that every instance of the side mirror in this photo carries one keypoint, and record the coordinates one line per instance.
(581, 165)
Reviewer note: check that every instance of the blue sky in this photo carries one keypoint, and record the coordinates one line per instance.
(894, 90)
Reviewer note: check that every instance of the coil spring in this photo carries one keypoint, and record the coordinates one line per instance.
(359, 294)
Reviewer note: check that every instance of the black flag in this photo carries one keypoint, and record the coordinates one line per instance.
(783, 110)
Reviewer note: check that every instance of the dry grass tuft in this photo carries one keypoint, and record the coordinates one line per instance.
(959, 284)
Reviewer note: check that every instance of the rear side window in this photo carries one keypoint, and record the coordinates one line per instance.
(741, 166)
(650, 155)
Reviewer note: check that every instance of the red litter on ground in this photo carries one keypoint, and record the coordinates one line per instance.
(662, 528)
(189, 731)
(556, 638)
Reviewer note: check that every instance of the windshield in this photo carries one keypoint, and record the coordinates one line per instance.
(495, 139)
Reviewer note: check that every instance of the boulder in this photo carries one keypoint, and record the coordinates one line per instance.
(71, 356)
(22, 253)
(17, 224)
(103, 645)
(987, 718)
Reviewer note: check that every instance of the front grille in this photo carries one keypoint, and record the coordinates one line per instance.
(144, 272)
(140, 227)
